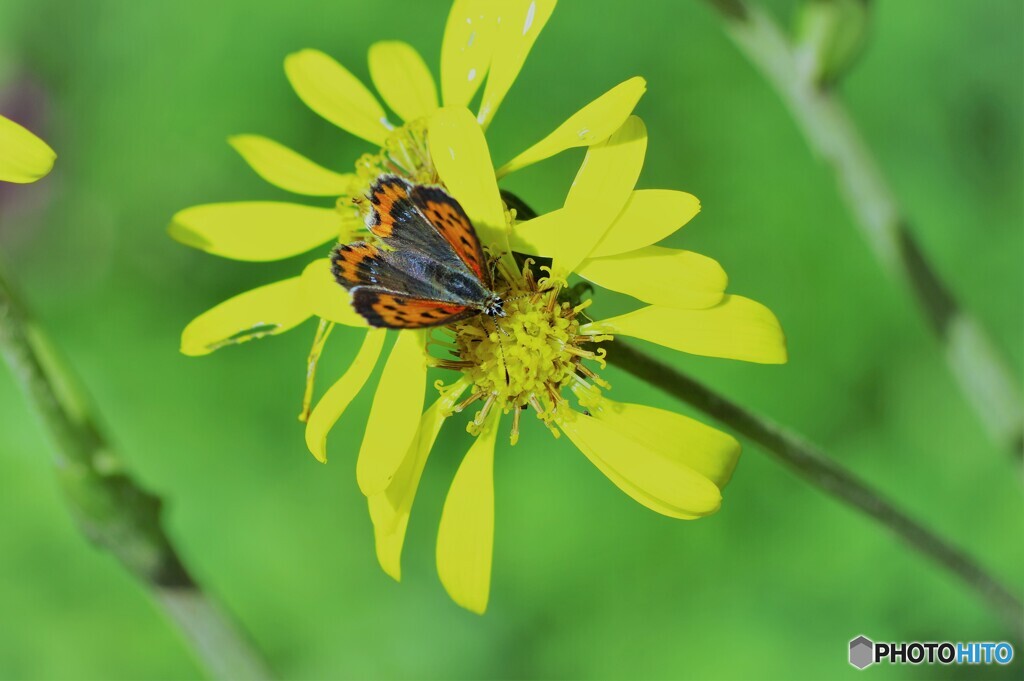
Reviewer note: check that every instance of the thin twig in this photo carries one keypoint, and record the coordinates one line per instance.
(983, 374)
(112, 509)
(814, 466)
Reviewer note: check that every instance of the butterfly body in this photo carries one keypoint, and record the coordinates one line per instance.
(431, 270)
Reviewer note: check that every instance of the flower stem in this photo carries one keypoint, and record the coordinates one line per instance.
(983, 374)
(817, 468)
(112, 510)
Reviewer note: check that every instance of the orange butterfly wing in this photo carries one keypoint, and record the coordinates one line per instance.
(452, 223)
(353, 264)
(426, 219)
(389, 196)
(383, 308)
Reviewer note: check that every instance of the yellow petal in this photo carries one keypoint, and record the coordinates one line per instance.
(402, 79)
(337, 398)
(329, 89)
(660, 276)
(460, 154)
(465, 539)
(264, 311)
(284, 168)
(326, 297)
(736, 328)
(601, 189)
(660, 483)
(543, 235)
(649, 216)
(519, 24)
(700, 447)
(24, 157)
(395, 414)
(255, 230)
(466, 49)
(591, 124)
(390, 509)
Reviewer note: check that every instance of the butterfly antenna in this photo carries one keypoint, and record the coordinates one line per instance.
(519, 297)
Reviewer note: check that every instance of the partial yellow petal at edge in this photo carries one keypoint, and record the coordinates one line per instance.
(543, 235)
(337, 398)
(465, 538)
(736, 328)
(24, 157)
(649, 216)
(706, 450)
(264, 311)
(255, 231)
(390, 509)
(658, 482)
(326, 297)
(463, 161)
(329, 89)
(660, 276)
(289, 170)
(519, 24)
(601, 189)
(395, 414)
(466, 49)
(592, 124)
(403, 79)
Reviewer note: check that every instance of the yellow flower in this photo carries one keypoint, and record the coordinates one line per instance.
(24, 157)
(546, 354)
(536, 358)
(485, 43)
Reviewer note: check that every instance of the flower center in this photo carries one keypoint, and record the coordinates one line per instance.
(404, 153)
(526, 358)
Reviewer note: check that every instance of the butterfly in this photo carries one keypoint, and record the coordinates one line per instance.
(433, 271)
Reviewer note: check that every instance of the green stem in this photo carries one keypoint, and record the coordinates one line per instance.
(983, 374)
(813, 465)
(113, 511)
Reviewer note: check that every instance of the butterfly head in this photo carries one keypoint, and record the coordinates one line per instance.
(495, 306)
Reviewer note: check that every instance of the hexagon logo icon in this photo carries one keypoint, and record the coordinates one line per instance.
(862, 652)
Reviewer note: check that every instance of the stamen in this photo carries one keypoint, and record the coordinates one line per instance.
(596, 338)
(514, 438)
(594, 377)
(531, 283)
(582, 381)
(466, 402)
(553, 299)
(556, 399)
(580, 308)
(457, 365)
(532, 354)
(477, 423)
(505, 271)
(323, 330)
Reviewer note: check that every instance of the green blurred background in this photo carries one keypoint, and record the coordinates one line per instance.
(138, 98)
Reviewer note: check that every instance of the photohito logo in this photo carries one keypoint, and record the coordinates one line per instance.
(864, 652)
